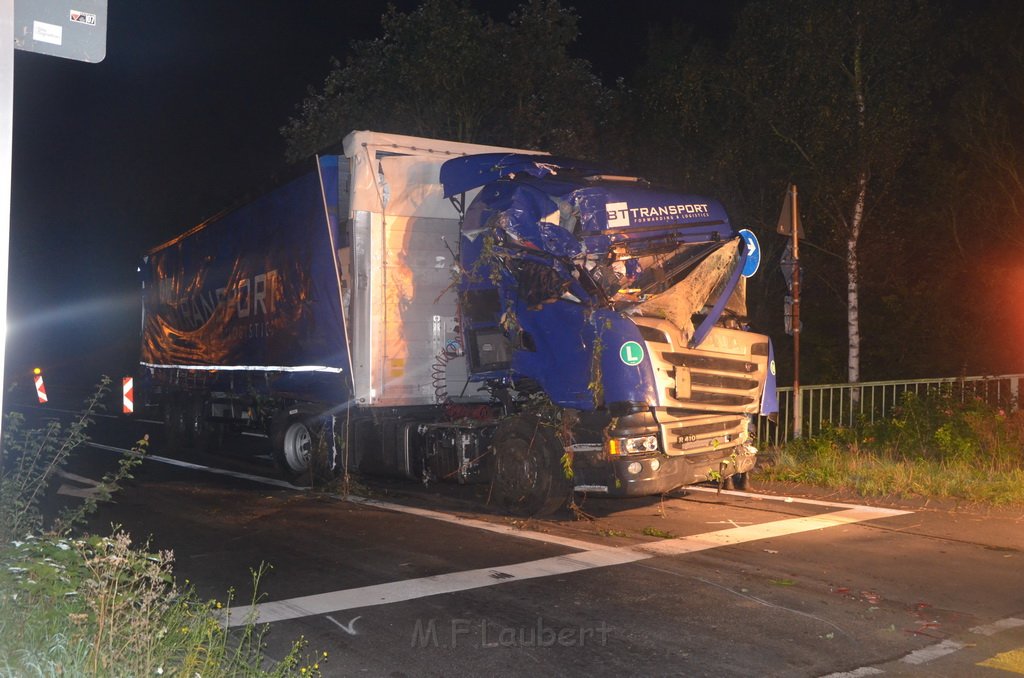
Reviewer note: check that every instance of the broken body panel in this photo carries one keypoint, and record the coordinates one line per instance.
(584, 286)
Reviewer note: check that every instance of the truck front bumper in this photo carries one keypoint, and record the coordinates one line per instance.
(637, 476)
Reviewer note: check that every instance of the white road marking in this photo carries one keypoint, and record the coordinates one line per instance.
(595, 557)
(80, 492)
(412, 589)
(856, 673)
(99, 415)
(224, 472)
(590, 555)
(199, 467)
(90, 491)
(996, 627)
(767, 497)
(508, 530)
(777, 528)
(349, 628)
(933, 652)
(77, 478)
(111, 448)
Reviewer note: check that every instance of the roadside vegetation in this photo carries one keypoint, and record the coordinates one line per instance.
(933, 447)
(77, 604)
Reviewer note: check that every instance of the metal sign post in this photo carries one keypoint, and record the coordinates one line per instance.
(789, 224)
(57, 27)
(797, 400)
(6, 153)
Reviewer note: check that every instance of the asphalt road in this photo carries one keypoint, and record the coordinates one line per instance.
(416, 581)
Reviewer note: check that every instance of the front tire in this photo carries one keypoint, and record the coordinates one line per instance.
(528, 476)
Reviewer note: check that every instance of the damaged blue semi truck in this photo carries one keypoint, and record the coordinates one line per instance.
(439, 310)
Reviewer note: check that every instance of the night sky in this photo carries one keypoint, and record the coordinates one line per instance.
(180, 120)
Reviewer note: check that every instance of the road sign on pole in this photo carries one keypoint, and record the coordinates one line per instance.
(72, 29)
(789, 224)
(54, 27)
(6, 152)
(753, 252)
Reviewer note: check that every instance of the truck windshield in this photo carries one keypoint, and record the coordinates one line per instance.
(650, 282)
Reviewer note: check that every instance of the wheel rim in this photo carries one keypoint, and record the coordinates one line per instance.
(518, 468)
(297, 446)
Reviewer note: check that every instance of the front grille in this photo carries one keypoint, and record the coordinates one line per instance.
(718, 400)
(724, 374)
(723, 381)
(693, 434)
(706, 394)
(705, 362)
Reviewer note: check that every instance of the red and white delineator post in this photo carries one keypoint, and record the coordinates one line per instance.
(37, 377)
(128, 395)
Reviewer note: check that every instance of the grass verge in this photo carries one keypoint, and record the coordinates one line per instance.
(98, 606)
(933, 447)
(87, 605)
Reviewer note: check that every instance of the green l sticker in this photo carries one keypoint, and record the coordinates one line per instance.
(631, 353)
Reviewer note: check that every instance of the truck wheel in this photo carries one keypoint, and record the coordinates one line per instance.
(528, 476)
(300, 448)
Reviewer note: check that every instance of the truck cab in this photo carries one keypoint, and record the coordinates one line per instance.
(621, 307)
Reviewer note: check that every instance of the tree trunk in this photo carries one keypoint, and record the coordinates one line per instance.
(856, 222)
(853, 281)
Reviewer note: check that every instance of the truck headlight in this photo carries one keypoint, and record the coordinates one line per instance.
(641, 444)
(637, 445)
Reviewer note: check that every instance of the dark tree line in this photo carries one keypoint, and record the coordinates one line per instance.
(899, 120)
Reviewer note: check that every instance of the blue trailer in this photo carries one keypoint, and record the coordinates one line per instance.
(439, 310)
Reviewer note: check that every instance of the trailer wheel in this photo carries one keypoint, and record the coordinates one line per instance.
(528, 476)
(300, 448)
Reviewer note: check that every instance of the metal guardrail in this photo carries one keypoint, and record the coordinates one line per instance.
(847, 405)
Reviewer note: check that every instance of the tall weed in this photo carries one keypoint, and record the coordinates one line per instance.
(97, 606)
(31, 457)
